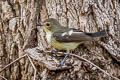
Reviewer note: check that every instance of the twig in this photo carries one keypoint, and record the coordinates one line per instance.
(3, 77)
(16, 61)
(32, 66)
(92, 64)
(13, 62)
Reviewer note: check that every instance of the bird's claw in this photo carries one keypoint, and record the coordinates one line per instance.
(61, 64)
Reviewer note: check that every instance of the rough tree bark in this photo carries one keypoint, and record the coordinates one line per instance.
(18, 32)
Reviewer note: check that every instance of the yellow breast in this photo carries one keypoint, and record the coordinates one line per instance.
(64, 45)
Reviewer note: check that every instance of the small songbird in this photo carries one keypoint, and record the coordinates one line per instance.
(64, 38)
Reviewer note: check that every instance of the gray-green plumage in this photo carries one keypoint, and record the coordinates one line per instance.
(64, 38)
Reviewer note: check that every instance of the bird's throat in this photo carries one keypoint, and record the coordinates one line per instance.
(48, 35)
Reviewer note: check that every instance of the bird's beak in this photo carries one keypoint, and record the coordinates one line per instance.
(39, 24)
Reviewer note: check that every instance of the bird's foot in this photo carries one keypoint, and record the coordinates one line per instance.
(61, 63)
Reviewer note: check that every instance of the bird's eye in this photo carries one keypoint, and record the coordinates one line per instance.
(47, 24)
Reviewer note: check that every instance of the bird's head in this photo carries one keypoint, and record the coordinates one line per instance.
(50, 24)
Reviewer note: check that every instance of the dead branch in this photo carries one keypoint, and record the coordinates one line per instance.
(18, 60)
(32, 66)
(13, 62)
(3, 77)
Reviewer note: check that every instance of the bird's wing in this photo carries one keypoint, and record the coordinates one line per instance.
(71, 35)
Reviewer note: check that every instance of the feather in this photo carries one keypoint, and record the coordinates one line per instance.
(74, 35)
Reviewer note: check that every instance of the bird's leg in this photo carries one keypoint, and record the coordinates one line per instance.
(64, 59)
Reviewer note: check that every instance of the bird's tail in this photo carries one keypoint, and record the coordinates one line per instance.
(102, 33)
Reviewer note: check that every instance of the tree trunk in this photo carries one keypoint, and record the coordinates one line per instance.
(18, 32)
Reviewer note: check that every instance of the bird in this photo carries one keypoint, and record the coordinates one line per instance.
(64, 38)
